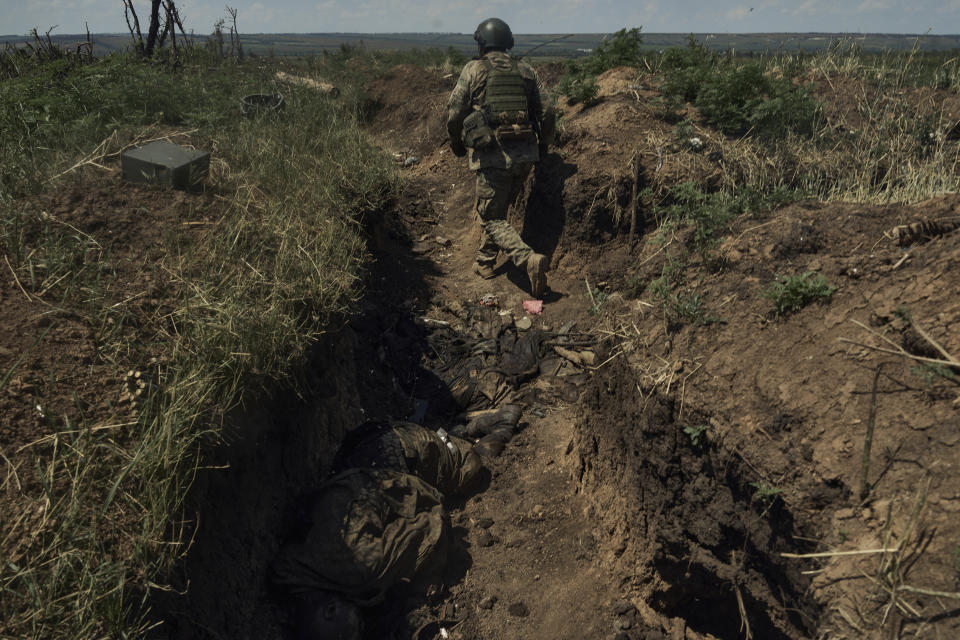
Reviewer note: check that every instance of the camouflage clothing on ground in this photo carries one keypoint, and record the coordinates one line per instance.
(368, 530)
(447, 463)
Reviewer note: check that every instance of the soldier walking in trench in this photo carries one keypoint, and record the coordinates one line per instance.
(498, 114)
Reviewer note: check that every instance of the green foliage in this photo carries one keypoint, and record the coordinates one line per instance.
(696, 434)
(579, 82)
(765, 493)
(578, 88)
(737, 98)
(597, 299)
(742, 99)
(795, 292)
(285, 255)
(622, 49)
(932, 373)
(678, 305)
(686, 70)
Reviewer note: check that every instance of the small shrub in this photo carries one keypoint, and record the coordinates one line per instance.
(622, 49)
(796, 292)
(686, 70)
(578, 88)
(679, 306)
(598, 299)
(933, 373)
(683, 131)
(579, 83)
(745, 99)
(737, 99)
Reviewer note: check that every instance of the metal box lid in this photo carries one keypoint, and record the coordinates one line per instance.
(166, 163)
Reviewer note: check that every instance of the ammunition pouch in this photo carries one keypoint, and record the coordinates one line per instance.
(477, 133)
(515, 133)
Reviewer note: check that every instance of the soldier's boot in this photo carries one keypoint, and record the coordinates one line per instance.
(505, 417)
(485, 270)
(537, 267)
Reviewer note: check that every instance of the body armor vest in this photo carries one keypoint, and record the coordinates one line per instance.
(505, 98)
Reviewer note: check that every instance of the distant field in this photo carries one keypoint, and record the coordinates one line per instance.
(298, 44)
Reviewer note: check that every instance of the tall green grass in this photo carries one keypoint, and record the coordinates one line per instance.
(102, 501)
(893, 141)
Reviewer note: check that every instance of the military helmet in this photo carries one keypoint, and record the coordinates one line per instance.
(493, 33)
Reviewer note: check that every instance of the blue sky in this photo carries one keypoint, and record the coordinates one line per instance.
(530, 16)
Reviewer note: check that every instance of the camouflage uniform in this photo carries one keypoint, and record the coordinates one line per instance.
(503, 167)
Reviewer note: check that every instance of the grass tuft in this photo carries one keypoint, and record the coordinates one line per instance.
(795, 292)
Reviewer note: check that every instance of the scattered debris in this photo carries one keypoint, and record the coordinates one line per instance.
(323, 87)
(533, 307)
(432, 322)
(906, 234)
(490, 300)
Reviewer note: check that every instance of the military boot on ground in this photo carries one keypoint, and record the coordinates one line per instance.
(485, 270)
(537, 266)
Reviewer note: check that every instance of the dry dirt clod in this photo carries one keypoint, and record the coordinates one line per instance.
(485, 539)
(488, 603)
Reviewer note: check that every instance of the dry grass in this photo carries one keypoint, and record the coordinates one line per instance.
(100, 502)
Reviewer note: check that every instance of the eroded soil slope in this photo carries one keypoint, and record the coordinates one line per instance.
(715, 436)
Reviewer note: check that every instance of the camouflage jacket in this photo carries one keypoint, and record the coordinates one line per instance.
(467, 96)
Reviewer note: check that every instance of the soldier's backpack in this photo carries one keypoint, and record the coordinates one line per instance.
(505, 108)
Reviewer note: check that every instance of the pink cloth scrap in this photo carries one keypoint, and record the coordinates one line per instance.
(533, 307)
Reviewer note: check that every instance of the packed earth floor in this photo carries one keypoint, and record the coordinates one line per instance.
(698, 474)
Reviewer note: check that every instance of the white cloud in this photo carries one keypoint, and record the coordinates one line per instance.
(874, 5)
(807, 8)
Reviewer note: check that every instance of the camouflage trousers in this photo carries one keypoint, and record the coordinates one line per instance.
(497, 189)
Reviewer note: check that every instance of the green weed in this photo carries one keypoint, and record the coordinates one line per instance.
(597, 301)
(932, 373)
(765, 494)
(578, 88)
(696, 434)
(795, 292)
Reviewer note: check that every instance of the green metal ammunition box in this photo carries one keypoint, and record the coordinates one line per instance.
(165, 163)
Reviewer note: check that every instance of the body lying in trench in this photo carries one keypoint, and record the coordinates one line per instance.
(380, 519)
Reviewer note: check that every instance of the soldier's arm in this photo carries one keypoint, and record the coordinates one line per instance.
(458, 108)
(541, 107)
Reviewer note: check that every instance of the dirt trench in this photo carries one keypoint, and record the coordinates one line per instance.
(592, 524)
(622, 510)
